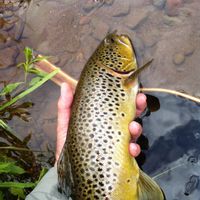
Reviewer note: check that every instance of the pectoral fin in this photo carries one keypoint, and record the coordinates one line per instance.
(148, 189)
(130, 80)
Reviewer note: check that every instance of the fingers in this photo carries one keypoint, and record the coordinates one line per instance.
(135, 128)
(64, 105)
(141, 103)
(134, 149)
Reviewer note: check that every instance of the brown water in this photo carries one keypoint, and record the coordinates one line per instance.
(69, 31)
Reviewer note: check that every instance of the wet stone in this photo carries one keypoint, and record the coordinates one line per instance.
(19, 29)
(178, 58)
(10, 58)
(8, 14)
(109, 2)
(172, 7)
(120, 9)
(84, 20)
(188, 50)
(100, 29)
(88, 5)
(134, 19)
(159, 3)
(170, 21)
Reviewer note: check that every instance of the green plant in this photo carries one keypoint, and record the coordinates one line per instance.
(19, 169)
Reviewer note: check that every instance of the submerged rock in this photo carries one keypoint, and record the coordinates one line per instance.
(172, 7)
(100, 29)
(10, 58)
(178, 58)
(136, 18)
(159, 3)
(120, 9)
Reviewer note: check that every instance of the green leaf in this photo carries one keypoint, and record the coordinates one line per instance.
(16, 185)
(5, 126)
(28, 52)
(42, 173)
(9, 88)
(29, 90)
(10, 167)
(34, 81)
(19, 192)
(1, 195)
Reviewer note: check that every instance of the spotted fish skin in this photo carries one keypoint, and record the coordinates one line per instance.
(95, 162)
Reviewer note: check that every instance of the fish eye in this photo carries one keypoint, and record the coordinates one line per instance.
(112, 40)
(109, 41)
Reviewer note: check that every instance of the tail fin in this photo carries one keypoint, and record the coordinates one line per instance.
(148, 189)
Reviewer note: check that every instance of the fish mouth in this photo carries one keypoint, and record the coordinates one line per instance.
(124, 39)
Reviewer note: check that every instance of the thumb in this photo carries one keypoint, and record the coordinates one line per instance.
(64, 106)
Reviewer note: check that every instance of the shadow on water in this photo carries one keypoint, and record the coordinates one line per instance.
(173, 155)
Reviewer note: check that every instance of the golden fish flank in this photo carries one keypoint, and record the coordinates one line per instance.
(95, 162)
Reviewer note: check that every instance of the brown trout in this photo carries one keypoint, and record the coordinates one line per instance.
(95, 162)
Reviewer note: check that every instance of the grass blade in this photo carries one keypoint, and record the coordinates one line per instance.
(29, 90)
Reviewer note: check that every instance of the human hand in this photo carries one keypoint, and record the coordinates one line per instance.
(64, 107)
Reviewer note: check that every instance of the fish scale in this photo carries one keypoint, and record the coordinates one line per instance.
(95, 162)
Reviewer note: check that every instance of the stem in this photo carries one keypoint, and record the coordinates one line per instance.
(29, 90)
(187, 96)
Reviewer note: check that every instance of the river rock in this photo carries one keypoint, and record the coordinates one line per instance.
(19, 29)
(8, 14)
(188, 49)
(159, 3)
(120, 8)
(172, 6)
(136, 18)
(178, 58)
(109, 2)
(84, 20)
(10, 58)
(88, 5)
(170, 21)
(100, 29)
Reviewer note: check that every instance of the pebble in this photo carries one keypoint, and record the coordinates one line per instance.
(170, 21)
(136, 18)
(178, 58)
(120, 9)
(159, 3)
(84, 20)
(188, 50)
(109, 2)
(8, 14)
(89, 5)
(100, 29)
(172, 6)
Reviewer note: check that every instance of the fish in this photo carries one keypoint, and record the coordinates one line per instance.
(95, 162)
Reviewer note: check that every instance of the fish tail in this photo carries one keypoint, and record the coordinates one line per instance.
(148, 189)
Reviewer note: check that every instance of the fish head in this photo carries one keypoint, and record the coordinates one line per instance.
(116, 52)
